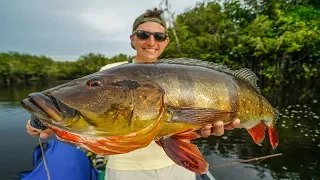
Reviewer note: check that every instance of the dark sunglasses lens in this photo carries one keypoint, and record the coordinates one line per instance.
(160, 36)
(143, 35)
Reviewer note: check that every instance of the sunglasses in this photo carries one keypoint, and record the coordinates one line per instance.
(143, 35)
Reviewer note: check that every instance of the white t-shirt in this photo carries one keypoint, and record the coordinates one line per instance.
(148, 158)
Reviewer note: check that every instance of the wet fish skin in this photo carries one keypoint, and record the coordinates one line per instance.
(124, 108)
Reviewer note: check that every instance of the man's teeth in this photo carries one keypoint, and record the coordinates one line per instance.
(150, 50)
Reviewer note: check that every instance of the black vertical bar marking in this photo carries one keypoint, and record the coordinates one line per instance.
(233, 91)
(186, 88)
(260, 104)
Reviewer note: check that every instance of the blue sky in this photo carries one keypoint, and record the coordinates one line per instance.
(65, 29)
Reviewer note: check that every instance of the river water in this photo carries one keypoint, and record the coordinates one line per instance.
(298, 127)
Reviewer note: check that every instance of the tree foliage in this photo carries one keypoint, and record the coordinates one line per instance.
(16, 67)
(278, 40)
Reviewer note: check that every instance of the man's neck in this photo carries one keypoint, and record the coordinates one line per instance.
(140, 60)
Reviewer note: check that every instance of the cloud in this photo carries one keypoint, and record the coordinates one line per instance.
(73, 28)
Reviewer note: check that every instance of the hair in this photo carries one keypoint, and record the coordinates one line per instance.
(150, 15)
(155, 12)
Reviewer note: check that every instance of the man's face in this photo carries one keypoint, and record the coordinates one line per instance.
(150, 49)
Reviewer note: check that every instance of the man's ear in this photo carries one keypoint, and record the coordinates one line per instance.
(131, 38)
(167, 41)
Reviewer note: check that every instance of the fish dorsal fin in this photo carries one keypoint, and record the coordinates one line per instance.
(244, 73)
(249, 76)
(196, 62)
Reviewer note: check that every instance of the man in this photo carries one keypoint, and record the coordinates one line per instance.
(149, 38)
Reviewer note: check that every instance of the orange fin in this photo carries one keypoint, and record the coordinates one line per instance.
(273, 136)
(201, 116)
(258, 133)
(183, 153)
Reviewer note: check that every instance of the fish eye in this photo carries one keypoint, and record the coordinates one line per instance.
(94, 82)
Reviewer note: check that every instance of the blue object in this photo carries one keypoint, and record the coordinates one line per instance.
(64, 161)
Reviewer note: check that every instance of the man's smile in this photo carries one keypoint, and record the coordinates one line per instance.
(149, 49)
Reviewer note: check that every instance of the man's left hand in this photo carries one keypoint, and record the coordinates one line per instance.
(217, 129)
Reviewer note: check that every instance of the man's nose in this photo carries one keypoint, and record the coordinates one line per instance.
(151, 40)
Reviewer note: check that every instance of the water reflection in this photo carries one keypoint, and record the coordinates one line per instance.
(14, 94)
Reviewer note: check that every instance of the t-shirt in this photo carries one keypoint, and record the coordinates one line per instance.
(147, 158)
(150, 157)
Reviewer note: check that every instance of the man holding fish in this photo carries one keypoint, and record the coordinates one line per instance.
(149, 38)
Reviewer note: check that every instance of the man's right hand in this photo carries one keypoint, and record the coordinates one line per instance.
(33, 131)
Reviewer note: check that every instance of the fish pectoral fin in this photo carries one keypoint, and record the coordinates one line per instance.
(183, 153)
(200, 116)
(258, 132)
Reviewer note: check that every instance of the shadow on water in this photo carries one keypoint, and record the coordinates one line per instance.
(298, 128)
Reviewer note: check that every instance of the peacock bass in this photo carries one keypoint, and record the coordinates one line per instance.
(124, 108)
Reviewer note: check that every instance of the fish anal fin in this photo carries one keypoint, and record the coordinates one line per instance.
(273, 136)
(258, 132)
(201, 116)
(183, 153)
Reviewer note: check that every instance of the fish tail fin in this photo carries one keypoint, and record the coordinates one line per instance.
(258, 133)
(272, 129)
(273, 136)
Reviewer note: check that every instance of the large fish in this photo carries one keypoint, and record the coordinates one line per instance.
(124, 108)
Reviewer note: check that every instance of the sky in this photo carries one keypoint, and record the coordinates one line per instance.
(68, 29)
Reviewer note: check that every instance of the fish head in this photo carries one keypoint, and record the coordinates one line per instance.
(100, 104)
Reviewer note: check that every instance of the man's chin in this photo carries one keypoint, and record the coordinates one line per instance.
(151, 58)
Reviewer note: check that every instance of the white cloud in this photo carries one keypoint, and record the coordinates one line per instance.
(73, 28)
(103, 22)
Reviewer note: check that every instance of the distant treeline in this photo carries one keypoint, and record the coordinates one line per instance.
(17, 68)
(278, 39)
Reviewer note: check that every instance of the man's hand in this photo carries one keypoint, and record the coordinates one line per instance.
(217, 129)
(34, 132)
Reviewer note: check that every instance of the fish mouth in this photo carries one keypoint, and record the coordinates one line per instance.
(48, 108)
